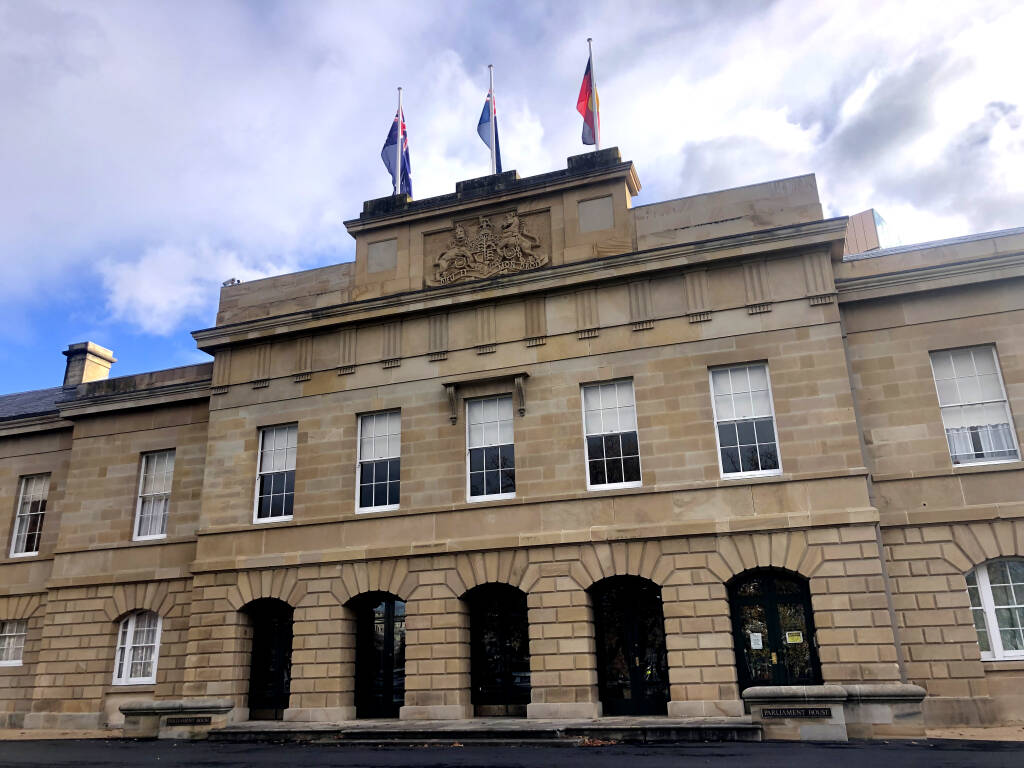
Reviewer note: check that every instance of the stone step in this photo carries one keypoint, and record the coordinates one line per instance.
(576, 734)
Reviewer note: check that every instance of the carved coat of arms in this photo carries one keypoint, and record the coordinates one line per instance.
(486, 253)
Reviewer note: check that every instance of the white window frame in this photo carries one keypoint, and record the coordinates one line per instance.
(775, 423)
(359, 459)
(142, 497)
(493, 496)
(995, 640)
(7, 627)
(22, 483)
(125, 643)
(256, 488)
(586, 449)
(1005, 401)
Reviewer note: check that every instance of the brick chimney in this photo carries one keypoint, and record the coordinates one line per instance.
(87, 362)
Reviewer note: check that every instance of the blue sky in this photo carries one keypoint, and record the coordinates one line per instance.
(153, 150)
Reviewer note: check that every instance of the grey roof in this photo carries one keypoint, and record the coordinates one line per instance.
(33, 403)
(933, 244)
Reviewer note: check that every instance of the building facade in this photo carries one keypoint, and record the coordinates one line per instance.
(537, 452)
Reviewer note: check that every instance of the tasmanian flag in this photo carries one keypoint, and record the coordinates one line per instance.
(403, 187)
(587, 104)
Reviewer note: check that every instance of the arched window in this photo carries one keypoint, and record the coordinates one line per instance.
(996, 590)
(138, 646)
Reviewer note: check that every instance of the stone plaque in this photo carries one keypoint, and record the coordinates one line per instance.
(488, 246)
(382, 256)
(798, 713)
(192, 720)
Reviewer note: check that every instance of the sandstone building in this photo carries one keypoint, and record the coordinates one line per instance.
(537, 452)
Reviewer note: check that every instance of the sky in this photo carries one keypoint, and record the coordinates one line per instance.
(151, 150)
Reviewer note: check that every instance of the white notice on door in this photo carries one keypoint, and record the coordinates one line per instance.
(755, 641)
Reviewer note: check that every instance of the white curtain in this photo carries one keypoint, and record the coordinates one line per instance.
(995, 440)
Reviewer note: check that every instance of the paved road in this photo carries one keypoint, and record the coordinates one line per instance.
(167, 754)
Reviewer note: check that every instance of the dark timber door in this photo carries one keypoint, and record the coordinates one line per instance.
(773, 629)
(270, 670)
(499, 650)
(632, 670)
(380, 655)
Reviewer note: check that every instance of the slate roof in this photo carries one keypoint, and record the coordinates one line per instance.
(34, 403)
(932, 244)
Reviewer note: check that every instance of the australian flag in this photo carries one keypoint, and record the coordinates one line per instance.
(484, 129)
(388, 156)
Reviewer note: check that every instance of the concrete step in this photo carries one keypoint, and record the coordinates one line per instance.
(503, 732)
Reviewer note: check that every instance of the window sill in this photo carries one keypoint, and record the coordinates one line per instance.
(161, 537)
(372, 510)
(615, 486)
(1004, 665)
(982, 466)
(279, 519)
(117, 684)
(23, 554)
(11, 664)
(959, 469)
(751, 475)
(492, 497)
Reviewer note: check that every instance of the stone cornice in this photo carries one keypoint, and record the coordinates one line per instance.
(171, 393)
(531, 186)
(930, 278)
(767, 242)
(45, 423)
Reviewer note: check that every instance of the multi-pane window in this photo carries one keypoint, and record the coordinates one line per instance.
(154, 495)
(996, 590)
(275, 486)
(609, 426)
(28, 520)
(744, 420)
(138, 646)
(492, 457)
(973, 405)
(380, 463)
(12, 642)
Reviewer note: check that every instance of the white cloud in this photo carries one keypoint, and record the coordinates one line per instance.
(168, 284)
(189, 142)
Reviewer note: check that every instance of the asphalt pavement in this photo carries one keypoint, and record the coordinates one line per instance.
(170, 754)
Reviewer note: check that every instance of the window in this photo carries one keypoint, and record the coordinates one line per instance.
(744, 421)
(28, 520)
(609, 426)
(491, 452)
(996, 590)
(973, 405)
(12, 642)
(138, 646)
(275, 486)
(380, 463)
(154, 495)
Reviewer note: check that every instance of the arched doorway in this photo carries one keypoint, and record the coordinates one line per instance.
(270, 667)
(629, 626)
(773, 629)
(380, 654)
(499, 650)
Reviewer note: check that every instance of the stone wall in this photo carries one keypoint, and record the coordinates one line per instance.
(855, 634)
(75, 663)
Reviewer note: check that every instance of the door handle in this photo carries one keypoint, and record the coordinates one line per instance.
(775, 658)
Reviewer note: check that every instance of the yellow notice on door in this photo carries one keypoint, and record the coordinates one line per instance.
(794, 637)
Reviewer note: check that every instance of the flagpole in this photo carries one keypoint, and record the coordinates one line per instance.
(398, 145)
(593, 90)
(494, 162)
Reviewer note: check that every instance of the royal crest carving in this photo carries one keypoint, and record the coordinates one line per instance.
(479, 251)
